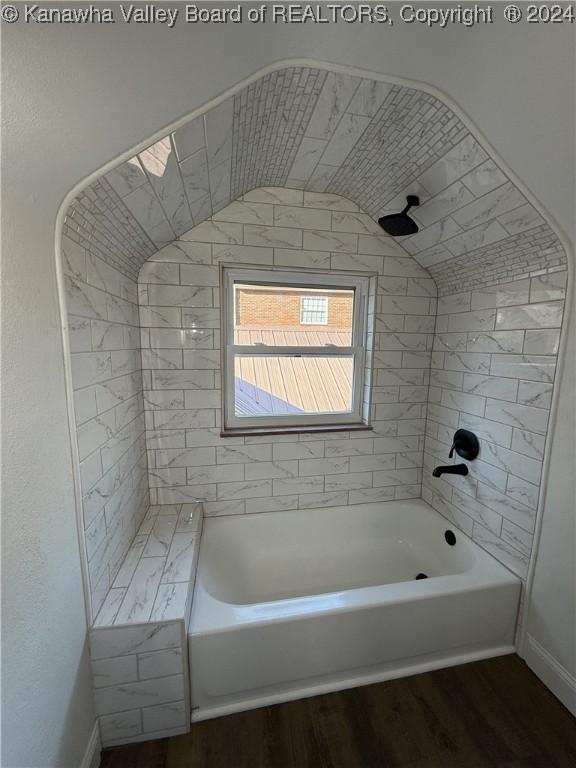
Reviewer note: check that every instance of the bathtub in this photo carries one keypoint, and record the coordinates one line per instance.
(292, 604)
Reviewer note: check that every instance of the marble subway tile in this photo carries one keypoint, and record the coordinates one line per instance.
(307, 158)
(520, 219)
(105, 643)
(246, 213)
(517, 537)
(504, 295)
(509, 508)
(127, 177)
(328, 202)
(495, 341)
(501, 550)
(334, 98)
(370, 495)
(489, 206)
(454, 303)
(120, 725)
(160, 663)
(477, 511)
(314, 500)
(289, 257)
(215, 232)
(523, 417)
(379, 245)
(346, 135)
(523, 491)
(484, 178)
(369, 95)
(269, 470)
(484, 428)
(302, 218)
(432, 236)
(529, 367)
(275, 237)
(170, 602)
(479, 237)
(183, 252)
(140, 595)
(347, 481)
(443, 204)
(271, 504)
(395, 477)
(115, 671)
(189, 138)
(458, 161)
(245, 490)
(497, 387)
(164, 716)
(542, 342)
(339, 242)
(218, 131)
(321, 177)
(110, 607)
(144, 206)
(474, 362)
(546, 315)
(469, 403)
(548, 287)
(140, 694)
(535, 393)
(480, 320)
(163, 172)
(180, 296)
(358, 223)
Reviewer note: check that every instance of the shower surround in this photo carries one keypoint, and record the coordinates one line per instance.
(293, 169)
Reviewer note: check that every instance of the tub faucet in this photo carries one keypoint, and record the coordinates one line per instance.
(451, 469)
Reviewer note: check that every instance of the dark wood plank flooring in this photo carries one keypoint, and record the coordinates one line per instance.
(489, 714)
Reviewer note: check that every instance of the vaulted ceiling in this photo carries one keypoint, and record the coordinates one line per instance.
(370, 141)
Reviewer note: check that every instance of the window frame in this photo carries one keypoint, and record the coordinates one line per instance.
(303, 310)
(297, 278)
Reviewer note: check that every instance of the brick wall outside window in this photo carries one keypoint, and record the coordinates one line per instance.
(282, 308)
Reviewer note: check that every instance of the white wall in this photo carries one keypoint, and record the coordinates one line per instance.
(74, 97)
(551, 619)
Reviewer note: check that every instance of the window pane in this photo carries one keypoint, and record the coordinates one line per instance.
(281, 316)
(266, 386)
(314, 310)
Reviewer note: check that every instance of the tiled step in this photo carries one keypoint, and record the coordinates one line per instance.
(138, 641)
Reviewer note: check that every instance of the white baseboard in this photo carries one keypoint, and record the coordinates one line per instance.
(551, 672)
(91, 757)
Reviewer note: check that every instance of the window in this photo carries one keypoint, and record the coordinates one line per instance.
(294, 348)
(314, 310)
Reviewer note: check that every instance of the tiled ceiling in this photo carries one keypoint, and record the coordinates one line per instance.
(369, 141)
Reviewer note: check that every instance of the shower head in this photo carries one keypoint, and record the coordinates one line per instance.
(400, 224)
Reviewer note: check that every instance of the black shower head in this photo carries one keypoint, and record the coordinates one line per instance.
(400, 224)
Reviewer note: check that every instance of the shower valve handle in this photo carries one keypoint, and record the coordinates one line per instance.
(466, 445)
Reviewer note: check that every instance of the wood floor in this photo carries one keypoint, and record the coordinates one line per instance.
(489, 714)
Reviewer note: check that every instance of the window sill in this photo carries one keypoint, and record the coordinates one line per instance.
(247, 431)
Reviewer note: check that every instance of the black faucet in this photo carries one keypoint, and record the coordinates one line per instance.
(451, 469)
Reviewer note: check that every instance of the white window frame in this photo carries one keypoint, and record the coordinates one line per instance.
(298, 279)
(303, 310)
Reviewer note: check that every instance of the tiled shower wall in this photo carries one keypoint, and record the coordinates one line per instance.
(104, 332)
(372, 142)
(493, 367)
(180, 316)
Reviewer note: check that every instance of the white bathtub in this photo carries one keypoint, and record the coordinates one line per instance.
(291, 604)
